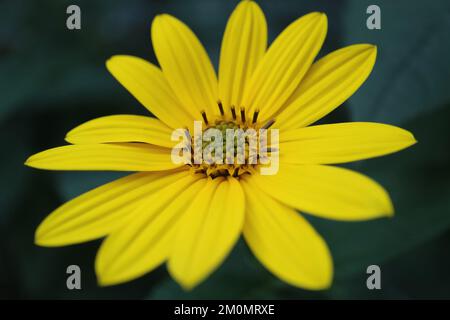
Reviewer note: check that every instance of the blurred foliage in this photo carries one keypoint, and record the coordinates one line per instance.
(412, 74)
(53, 79)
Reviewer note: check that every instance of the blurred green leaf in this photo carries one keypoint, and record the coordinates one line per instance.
(419, 273)
(49, 66)
(412, 73)
(13, 176)
(73, 184)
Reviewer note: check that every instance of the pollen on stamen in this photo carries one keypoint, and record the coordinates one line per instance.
(219, 104)
(204, 117)
(233, 112)
(255, 117)
(243, 115)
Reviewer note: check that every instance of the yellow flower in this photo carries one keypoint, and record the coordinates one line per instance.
(190, 216)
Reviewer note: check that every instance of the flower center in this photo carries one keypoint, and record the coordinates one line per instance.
(229, 147)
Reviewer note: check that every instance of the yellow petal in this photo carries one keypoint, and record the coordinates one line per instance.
(329, 82)
(148, 85)
(342, 142)
(111, 157)
(98, 212)
(284, 65)
(146, 239)
(243, 45)
(328, 192)
(207, 232)
(122, 128)
(185, 65)
(285, 243)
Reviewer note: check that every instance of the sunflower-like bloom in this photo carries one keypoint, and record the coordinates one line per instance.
(191, 216)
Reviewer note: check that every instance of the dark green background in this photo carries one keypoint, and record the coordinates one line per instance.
(52, 79)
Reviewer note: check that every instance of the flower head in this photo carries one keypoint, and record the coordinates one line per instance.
(191, 214)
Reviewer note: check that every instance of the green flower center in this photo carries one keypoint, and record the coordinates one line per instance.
(236, 161)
